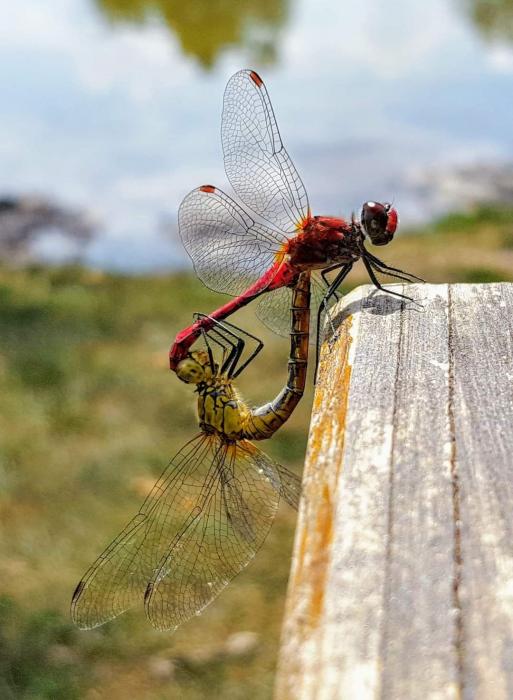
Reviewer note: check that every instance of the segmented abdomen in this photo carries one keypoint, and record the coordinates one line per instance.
(262, 422)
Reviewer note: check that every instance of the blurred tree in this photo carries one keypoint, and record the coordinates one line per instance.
(494, 18)
(206, 27)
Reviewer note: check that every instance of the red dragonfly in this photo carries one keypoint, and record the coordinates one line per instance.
(261, 249)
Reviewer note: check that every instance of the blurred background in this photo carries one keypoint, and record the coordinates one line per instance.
(109, 115)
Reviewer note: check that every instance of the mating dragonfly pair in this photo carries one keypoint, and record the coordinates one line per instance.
(211, 509)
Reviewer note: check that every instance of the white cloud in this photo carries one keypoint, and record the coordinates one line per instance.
(37, 25)
(501, 59)
(140, 61)
(390, 41)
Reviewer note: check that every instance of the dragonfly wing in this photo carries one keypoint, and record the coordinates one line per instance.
(290, 486)
(273, 309)
(228, 248)
(233, 509)
(118, 578)
(255, 160)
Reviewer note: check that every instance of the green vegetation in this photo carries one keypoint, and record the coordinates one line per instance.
(90, 415)
(493, 18)
(206, 28)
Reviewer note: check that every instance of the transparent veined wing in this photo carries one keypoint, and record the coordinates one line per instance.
(256, 163)
(205, 517)
(290, 486)
(118, 578)
(273, 309)
(232, 514)
(228, 248)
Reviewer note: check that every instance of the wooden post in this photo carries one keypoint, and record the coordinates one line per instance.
(402, 579)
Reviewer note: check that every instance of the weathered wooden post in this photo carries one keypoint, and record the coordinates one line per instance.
(402, 580)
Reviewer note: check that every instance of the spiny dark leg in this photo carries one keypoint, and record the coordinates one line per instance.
(209, 351)
(227, 334)
(231, 350)
(238, 331)
(249, 360)
(384, 271)
(376, 283)
(259, 344)
(323, 306)
(331, 291)
(379, 263)
(324, 276)
(233, 345)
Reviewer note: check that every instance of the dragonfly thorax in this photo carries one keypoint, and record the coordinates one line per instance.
(221, 410)
(325, 241)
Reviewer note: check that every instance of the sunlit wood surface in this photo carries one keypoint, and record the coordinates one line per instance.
(402, 579)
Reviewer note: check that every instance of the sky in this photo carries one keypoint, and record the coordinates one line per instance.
(371, 99)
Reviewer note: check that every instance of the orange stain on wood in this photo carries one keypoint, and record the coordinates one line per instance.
(324, 537)
(342, 414)
(325, 446)
(303, 541)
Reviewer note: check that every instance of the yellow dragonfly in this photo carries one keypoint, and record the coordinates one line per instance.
(211, 510)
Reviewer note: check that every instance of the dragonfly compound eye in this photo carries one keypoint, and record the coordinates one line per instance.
(379, 222)
(190, 371)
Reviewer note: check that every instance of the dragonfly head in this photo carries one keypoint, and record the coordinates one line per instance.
(195, 368)
(379, 222)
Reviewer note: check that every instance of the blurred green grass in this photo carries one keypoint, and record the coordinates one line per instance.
(90, 415)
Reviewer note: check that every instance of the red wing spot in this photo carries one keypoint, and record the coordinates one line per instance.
(256, 78)
(207, 188)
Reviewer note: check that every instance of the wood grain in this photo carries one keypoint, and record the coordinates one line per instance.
(402, 577)
(482, 347)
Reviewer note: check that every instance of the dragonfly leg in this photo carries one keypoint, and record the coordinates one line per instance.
(258, 347)
(376, 283)
(330, 293)
(324, 274)
(387, 269)
(391, 274)
(231, 350)
(232, 345)
(227, 335)
(209, 351)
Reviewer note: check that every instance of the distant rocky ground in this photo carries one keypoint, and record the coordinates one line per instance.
(460, 188)
(27, 223)
(39, 229)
